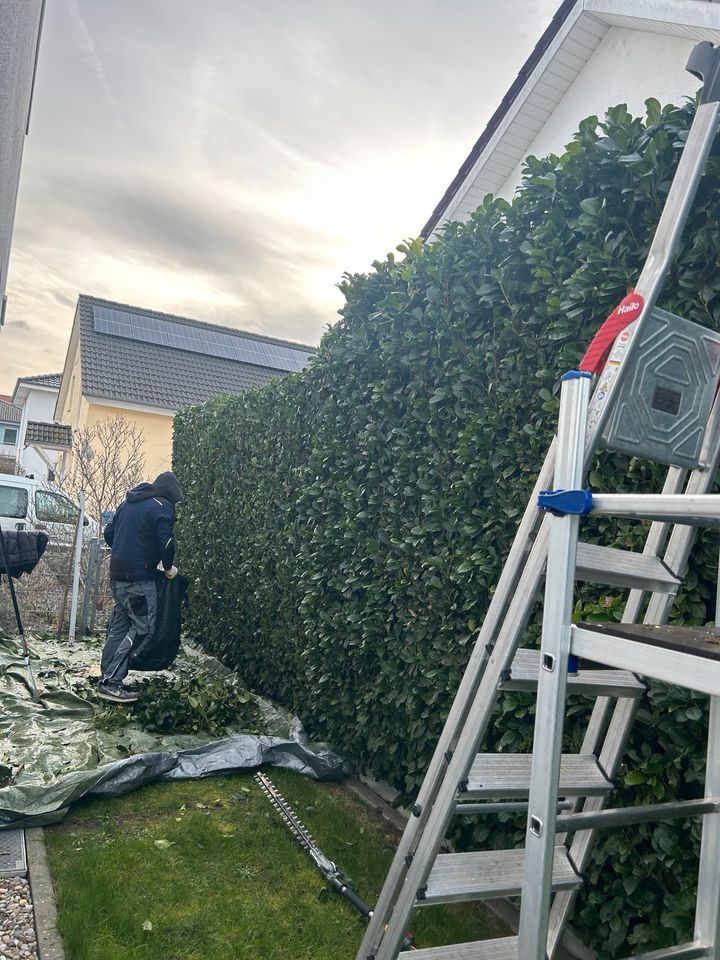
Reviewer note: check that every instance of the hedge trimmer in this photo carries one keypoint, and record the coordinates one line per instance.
(332, 873)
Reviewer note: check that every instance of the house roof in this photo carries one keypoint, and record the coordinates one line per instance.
(123, 368)
(43, 380)
(573, 35)
(9, 413)
(56, 435)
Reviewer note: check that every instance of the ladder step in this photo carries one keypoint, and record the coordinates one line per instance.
(623, 568)
(525, 671)
(503, 949)
(488, 873)
(687, 951)
(508, 775)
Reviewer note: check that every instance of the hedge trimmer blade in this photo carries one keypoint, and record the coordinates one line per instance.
(332, 873)
(295, 825)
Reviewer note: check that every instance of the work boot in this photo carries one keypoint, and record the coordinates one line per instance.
(116, 694)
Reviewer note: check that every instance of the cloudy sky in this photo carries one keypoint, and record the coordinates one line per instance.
(229, 160)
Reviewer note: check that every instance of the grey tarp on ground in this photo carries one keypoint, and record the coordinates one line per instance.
(57, 755)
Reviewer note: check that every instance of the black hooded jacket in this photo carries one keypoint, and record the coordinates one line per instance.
(141, 532)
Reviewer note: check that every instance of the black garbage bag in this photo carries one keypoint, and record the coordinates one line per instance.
(158, 651)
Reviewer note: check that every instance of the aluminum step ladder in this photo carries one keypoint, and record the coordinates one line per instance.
(459, 780)
(688, 657)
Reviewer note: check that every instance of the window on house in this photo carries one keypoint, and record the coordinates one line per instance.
(54, 507)
(13, 502)
(9, 436)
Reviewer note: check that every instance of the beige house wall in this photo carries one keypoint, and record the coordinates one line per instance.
(156, 427)
(79, 411)
(72, 412)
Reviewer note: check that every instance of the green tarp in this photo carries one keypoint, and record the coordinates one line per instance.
(52, 753)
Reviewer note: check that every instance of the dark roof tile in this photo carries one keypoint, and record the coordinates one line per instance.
(57, 434)
(116, 368)
(10, 413)
(44, 379)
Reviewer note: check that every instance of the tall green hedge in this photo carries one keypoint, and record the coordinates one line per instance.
(343, 527)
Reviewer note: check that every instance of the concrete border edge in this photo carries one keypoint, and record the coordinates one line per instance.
(50, 944)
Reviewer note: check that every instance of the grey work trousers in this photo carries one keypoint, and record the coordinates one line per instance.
(133, 616)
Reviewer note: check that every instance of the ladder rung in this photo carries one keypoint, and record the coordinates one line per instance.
(503, 949)
(697, 510)
(683, 656)
(623, 568)
(687, 951)
(508, 775)
(525, 671)
(487, 874)
(602, 819)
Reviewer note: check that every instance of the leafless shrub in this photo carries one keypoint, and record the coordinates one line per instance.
(107, 459)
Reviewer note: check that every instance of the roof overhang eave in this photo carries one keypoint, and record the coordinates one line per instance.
(670, 17)
(122, 404)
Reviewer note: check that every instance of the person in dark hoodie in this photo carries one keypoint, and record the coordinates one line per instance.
(140, 537)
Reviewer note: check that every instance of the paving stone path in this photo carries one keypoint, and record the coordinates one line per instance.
(17, 926)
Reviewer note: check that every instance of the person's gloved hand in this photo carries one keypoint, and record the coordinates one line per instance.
(171, 573)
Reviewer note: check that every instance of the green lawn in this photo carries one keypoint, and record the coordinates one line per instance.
(211, 868)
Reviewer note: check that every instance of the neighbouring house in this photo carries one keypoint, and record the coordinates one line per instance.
(41, 442)
(593, 55)
(20, 26)
(10, 417)
(147, 365)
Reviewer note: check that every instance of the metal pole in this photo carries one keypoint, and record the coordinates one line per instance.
(89, 589)
(707, 908)
(76, 566)
(96, 586)
(605, 819)
(550, 713)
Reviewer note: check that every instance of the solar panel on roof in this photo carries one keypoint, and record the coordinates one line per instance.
(186, 336)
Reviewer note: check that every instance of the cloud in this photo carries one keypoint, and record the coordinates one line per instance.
(175, 225)
(90, 54)
(232, 165)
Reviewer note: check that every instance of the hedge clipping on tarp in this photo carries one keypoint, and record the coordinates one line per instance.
(344, 526)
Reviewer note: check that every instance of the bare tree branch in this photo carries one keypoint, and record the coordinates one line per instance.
(107, 459)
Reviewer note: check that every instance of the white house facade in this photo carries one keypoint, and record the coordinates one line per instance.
(595, 54)
(10, 417)
(41, 441)
(20, 24)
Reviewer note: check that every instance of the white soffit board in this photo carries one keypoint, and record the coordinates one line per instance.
(554, 74)
(691, 19)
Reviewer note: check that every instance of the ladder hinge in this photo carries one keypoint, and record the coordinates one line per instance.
(422, 893)
(489, 647)
(416, 810)
(563, 502)
(505, 676)
(408, 860)
(448, 756)
(463, 786)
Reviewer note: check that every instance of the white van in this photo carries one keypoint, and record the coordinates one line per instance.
(29, 504)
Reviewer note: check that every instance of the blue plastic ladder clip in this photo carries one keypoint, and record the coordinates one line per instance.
(563, 502)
